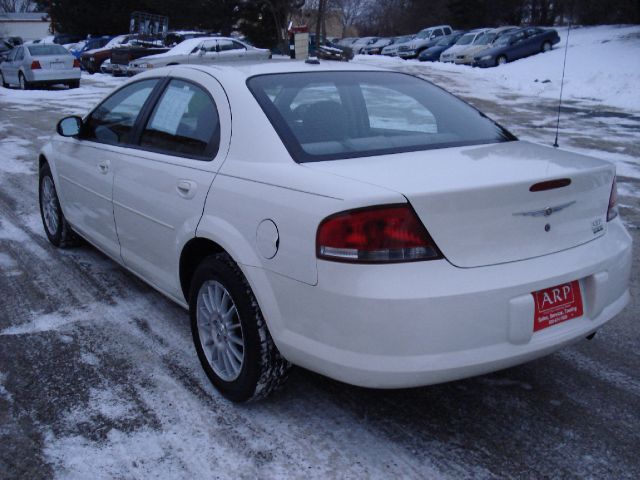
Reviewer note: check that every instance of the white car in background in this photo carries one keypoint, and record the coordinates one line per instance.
(392, 50)
(468, 39)
(201, 51)
(364, 223)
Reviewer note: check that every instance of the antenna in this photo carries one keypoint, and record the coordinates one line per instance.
(566, 47)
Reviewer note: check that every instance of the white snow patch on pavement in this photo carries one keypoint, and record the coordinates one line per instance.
(16, 156)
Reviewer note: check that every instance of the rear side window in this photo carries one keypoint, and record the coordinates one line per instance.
(113, 120)
(225, 45)
(184, 121)
(338, 115)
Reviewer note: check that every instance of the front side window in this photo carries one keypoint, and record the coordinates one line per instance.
(113, 121)
(184, 121)
(338, 115)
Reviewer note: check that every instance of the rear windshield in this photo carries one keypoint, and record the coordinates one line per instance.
(337, 115)
(42, 50)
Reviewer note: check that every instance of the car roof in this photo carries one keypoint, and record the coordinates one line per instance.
(252, 68)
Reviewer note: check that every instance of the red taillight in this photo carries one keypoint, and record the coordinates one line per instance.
(382, 234)
(612, 211)
(35, 65)
(76, 63)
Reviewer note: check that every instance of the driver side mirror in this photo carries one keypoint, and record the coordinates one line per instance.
(69, 126)
(202, 51)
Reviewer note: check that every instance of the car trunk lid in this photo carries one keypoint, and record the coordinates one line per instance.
(55, 62)
(477, 203)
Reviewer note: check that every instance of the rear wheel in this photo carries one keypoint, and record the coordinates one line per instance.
(24, 85)
(4, 83)
(501, 60)
(74, 84)
(231, 337)
(58, 231)
(546, 46)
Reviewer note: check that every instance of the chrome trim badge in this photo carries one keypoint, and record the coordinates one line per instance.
(545, 212)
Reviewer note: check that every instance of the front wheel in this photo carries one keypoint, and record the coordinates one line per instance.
(74, 84)
(230, 335)
(546, 46)
(58, 231)
(501, 60)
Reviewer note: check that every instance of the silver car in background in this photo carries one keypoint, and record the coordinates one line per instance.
(468, 39)
(200, 51)
(486, 40)
(392, 50)
(38, 65)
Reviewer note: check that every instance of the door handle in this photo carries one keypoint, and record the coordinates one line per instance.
(186, 188)
(104, 166)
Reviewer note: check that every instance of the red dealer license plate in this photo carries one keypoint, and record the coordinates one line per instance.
(556, 305)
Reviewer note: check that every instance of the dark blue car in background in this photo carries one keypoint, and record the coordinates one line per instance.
(517, 44)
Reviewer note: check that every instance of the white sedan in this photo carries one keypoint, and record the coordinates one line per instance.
(201, 51)
(363, 224)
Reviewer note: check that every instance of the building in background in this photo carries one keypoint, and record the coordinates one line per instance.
(28, 26)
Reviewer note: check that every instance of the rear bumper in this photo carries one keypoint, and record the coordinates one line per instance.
(391, 326)
(43, 76)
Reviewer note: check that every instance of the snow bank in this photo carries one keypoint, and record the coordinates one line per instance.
(603, 66)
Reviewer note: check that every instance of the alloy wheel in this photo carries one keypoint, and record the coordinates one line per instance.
(220, 330)
(50, 206)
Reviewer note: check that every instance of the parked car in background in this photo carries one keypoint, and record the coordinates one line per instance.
(106, 67)
(89, 44)
(31, 66)
(329, 50)
(424, 39)
(376, 47)
(486, 40)
(65, 38)
(468, 39)
(392, 49)
(47, 39)
(432, 54)
(359, 45)
(201, 51)
(92, 59)
(347, 41)
(361, 223)
(517, 44)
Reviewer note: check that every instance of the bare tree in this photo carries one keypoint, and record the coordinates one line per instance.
(350, 11)
(17, 6)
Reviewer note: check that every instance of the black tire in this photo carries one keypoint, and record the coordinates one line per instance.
(4, 84)
(501, 60)
(546, 46)
(24, 85)
(63, 236)
(263, 369)
(74, 84)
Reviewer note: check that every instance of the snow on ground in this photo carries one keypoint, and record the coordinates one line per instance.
(603, 66)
